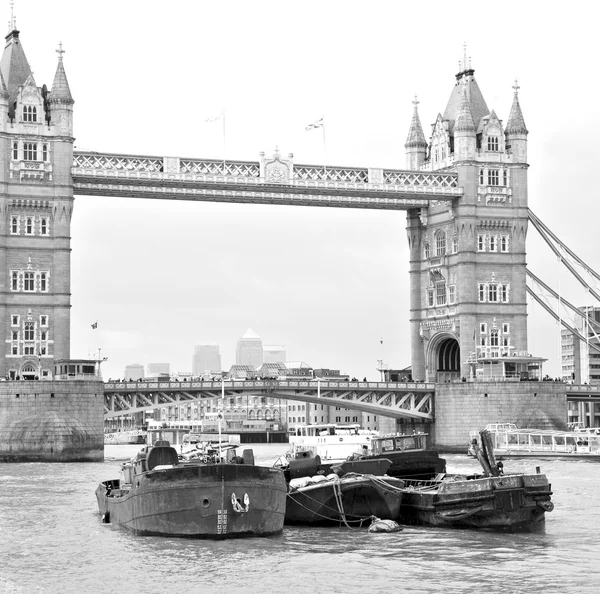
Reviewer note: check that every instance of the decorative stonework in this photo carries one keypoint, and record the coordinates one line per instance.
(276, 170)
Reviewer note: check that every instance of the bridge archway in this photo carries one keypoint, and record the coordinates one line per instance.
(444, 358)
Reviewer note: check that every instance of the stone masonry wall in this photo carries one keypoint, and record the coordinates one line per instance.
(51, 421)
(464, 407)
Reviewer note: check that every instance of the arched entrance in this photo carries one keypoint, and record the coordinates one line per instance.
(447, 360)
(29, 371)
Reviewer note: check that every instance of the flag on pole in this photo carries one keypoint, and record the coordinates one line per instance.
(318, 124)
(381, 341)
(214, 118)
(94, 325)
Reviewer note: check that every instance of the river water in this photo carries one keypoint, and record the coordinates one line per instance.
(52, 540)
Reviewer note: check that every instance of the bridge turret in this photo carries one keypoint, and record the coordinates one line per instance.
(416, 145)
(516, 131)
(3, 103)
(465, 140)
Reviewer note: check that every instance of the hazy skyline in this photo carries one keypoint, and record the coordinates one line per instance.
(162, 276)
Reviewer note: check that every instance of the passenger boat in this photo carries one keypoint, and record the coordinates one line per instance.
(489, 500)
(202, 497)
(331, 442)
(131, 437)
(511, 442)
(343, 497)
(409, 455)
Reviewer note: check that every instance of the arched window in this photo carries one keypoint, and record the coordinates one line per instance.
(29, 226)
(29, 151)
(455, 244)
(43, 282)
(43, 226)
(440, 243)
(15, 281)
(29, 331)
(494, 338)
(16, 151)
(14, 225)
(426, 249)
(28, 284)
(44, 152)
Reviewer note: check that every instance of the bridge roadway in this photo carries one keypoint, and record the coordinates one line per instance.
(268, 181)
(583, 392)
(396, 400)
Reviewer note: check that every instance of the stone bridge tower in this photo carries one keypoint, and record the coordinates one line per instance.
(36, 203)
(468, 259)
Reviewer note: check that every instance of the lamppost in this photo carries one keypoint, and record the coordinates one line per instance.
(380, 361)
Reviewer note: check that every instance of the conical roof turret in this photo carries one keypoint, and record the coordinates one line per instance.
(464, 121)
(416, 138)
(516, 122)
(3, 89)
(14, 66)
(60, 92)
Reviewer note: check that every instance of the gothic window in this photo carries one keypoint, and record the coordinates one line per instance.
(29, 113)
(43, 350)
(494, 338)
(455, 244)
(14, 281)
(28, 350)
(505, 328)
(492, 293)
(437, 155)
(506, 342)
(43, 320)
(481, 178)
(481, 243)
(440, 293)
(430, 297)
(451, 294)
(440, 243)
(504, 243)
(28, 281)
(493, 177)
(15, 151)
(426, 249)
(28, 226)
(15, 335)
(483, 328)
(483, 341)
(14, 225)
(14, 320)
(29, 151)
(44, 152)
(505, 177)
(29, 331)
(504, 290)
(493, 243)
(492, 143)
(43, 282)
(481, 291)
(43, 226)
(15, 349)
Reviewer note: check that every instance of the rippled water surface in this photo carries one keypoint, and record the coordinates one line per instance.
(51, 540)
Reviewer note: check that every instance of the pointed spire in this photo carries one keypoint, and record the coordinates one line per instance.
(3, 89)
(516, 122)
(464, 121)
(60, 92)
(416, 138)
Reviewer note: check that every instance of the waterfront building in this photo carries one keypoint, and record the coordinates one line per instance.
(274, 354)
(468, 262)
(249, 349)
(134, 371)
(36, 200)
(158, 369)
(580, 362)
(206, 358)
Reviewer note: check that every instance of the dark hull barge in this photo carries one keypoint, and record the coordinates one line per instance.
(158, 495)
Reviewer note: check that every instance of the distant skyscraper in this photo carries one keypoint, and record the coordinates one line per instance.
(134, 371)
(249, 349)
(274, 353)
(206, 358)
(155, 369)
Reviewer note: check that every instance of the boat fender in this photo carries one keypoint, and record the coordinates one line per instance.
(378, 525)
(106, 518)
(341, 439)
(237, 506)
(546, 505)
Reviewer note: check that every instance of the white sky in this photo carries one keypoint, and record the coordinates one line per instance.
(162, 276)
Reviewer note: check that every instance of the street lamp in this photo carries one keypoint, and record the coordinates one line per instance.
(380, 361)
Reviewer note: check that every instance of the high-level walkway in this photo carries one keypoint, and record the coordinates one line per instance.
(396, 400)
(268, 181)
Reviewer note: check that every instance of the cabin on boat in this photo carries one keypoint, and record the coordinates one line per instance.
(398, 443)
(534, 440)
(325, 429)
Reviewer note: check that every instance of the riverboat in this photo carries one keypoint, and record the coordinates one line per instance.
(202, 497)
(409, 455)
(489, 500)
(129, 437)
(350, 499)
(511, 442)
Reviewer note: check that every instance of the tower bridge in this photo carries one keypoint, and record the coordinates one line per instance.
(396, 400)
(464, 191)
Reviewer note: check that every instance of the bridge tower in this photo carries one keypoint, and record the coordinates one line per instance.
(468, 258)
(36, 203)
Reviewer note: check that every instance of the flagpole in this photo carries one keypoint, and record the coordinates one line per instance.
(324, 149)
(224, 143)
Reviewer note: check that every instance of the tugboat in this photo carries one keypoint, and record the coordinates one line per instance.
(210, 496)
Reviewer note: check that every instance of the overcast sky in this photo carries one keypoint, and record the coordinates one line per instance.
(162, 276)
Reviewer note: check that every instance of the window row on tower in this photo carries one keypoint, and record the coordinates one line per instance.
(30, 225)
(492, 243)
(29, 281)
(440, 294)
(494, 292)
(440, 246)
(29, 337)
(30, 151)
(495, 341)
(494, 177)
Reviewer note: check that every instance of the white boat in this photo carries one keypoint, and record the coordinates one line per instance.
(331, 442)
(542, 443)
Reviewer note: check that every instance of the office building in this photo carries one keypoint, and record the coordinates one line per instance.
(249, 349)
(206, 358)
(134, 372)
(274, 353)
(156, 369)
